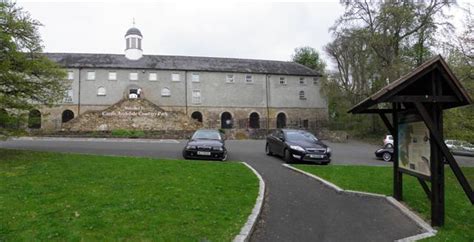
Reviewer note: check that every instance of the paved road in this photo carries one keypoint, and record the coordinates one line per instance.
(297, 208)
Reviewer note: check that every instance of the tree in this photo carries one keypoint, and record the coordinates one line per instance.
(27, 77)
(309, 57)
(374, 44)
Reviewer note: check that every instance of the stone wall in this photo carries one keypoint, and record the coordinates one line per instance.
(132, 114)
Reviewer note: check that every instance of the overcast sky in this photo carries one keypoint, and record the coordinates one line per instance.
(238, 30)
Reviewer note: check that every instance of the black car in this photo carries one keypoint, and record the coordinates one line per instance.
(385, 153)
(205, 144)
(297, 145)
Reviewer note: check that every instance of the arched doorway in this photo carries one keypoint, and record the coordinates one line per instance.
(67, 115)
(281, 121)
(254, 121)
(226, 120)
(3, 118)
(197, 116)
(34, 119)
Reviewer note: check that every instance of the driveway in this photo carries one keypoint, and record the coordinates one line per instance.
(296, 208)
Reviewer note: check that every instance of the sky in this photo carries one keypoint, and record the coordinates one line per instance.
(260, 30)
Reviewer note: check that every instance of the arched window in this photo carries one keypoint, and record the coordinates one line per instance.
(281, 121)
(254, 121)
(101, 91)
(67, 115)
(302, 96)
(34, 119)
(226, 120)
(165, 92)
(197, 116)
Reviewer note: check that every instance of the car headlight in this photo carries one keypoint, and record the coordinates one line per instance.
(190, 147)
(297, 147)
(218, 148)
(328, 150)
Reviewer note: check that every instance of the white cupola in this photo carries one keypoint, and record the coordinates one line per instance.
(133, 44)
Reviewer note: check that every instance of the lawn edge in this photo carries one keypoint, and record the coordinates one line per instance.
(249, 226)
(429, 231)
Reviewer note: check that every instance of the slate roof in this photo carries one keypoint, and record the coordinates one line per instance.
(437, 62)
(134, 31)
(189, 63)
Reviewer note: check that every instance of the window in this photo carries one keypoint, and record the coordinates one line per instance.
(302, 96)
(134, 43)
(196, 96)
(165, 92)
(195, 77)
(315, 80)
(101, 91)
(175, 77)
(68, 96)
(128, 43)
(91, 75)
(229, 78)
(153, 76)
(70, 75)
(248, 79)
(133, 76)
(302, 81)
(139, 43)
(112, 76)
(282, 81)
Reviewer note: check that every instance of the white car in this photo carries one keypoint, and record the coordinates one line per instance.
(388, 141)
(453, 144)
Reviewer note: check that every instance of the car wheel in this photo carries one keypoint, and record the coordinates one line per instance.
(267, 150)
(225, 157)
(386, 156)
(287, 157)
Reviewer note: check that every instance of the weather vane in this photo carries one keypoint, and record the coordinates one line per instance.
(133, 22)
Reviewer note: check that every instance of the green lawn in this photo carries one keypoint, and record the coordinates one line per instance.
(52, 196)
(459, 220)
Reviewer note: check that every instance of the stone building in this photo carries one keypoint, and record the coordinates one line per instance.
(214, 92)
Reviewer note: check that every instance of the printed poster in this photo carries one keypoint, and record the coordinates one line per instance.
(414, 147)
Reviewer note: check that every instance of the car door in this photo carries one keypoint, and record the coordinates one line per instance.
(271, 141)
(279, 143)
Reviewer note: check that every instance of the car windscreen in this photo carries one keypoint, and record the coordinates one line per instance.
(298, 135)
(206, 135)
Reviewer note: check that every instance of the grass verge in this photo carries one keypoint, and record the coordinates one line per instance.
(459, 220)
(53, 196)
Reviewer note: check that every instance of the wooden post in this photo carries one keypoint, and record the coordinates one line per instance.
(397, 175)
(437, 161)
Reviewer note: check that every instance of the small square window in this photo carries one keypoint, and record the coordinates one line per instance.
(195, 77)
(302, 81)
(175, 77)
(112, 76)
(196, 96)
(282, 81)
(230, 78)
(315, 80)
(165, 92)
(302, 95)
(133, 76)
(68, 96)
(91, 75)
(70, 75)
(153, 76)
(248, 79)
